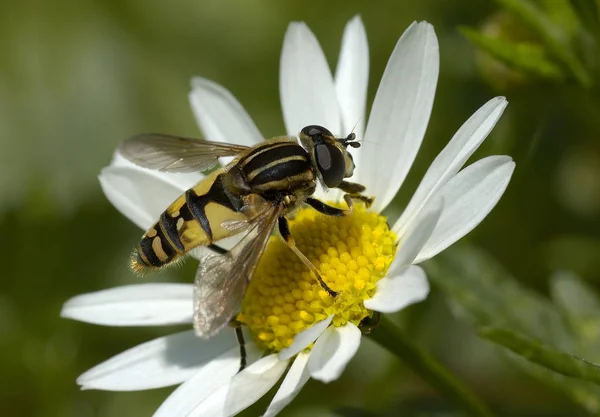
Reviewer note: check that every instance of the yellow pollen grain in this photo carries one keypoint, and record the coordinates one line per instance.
(351, 254)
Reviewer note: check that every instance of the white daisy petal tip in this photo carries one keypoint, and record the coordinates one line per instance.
(502, 100)
(450, 160)
(422, 28)
(401, 288)
(119, 160)
(306, 91)
(400, 112)
(133, 305)
(351, 79)
(220, 115)
(356, 19)
(298, 25)
(332, 352)
(355, 28)
(115, 188)
(305, 338)
(201, 82)
(470, 196)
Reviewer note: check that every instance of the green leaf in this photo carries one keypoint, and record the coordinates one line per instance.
(554, 37)
(581, 307)
(524, 56)
(563, 14)
(482, 292)
(485, 294)
(587, 10)
(541, 354)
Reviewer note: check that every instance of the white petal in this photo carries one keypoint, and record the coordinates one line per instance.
(351, 79)
(133, 305)
(220, 116)
(468, 197)
(181, 181)
(199, 386)
(293, 382)
(205, 382)
(466, 141)
(332, 352)
(161, 362)
(141, 195)
(305, 338)
(400, 114)
(418, 233)
(306, 85)
(243, 390)
(401, 288)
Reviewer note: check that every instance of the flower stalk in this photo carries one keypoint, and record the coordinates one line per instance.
(389, 336)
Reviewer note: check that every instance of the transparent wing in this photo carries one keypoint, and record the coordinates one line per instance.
(176, 154)
(221, 280)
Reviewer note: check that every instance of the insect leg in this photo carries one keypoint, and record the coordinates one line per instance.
(351, 187)
(326, 209)
(217, 249)
(237, 326)
(332, 211)
(353, 192)
(349, 197)
(284, 229)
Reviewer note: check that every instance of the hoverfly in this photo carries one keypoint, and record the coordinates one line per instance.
(253, 193)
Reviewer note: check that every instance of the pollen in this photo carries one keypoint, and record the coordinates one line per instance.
(351, 254)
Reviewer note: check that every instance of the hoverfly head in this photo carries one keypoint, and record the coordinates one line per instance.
(329, 154)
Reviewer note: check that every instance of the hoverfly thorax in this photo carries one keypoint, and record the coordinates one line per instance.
(329, 154)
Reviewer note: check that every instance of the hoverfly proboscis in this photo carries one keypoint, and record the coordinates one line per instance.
(252, 194)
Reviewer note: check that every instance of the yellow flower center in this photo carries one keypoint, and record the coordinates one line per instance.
(351, 253)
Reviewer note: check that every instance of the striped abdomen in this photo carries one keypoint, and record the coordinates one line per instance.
(194, 219)
(277, 166)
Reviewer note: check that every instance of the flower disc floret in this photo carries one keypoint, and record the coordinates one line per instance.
(351, 254)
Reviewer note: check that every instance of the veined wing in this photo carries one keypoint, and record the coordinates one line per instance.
(174, 153)
(221, 280)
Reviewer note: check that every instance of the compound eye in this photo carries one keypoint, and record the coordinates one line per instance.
(316, 132)
(331, 164)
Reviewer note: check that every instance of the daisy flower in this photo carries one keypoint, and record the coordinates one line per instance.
(291, 322)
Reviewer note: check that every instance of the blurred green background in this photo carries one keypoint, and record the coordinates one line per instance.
(77, 77)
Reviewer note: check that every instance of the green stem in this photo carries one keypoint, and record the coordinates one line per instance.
(395, 341)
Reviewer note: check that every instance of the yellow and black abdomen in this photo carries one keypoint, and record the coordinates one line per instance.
(277, 167)
(196, 218)
(154, 250)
